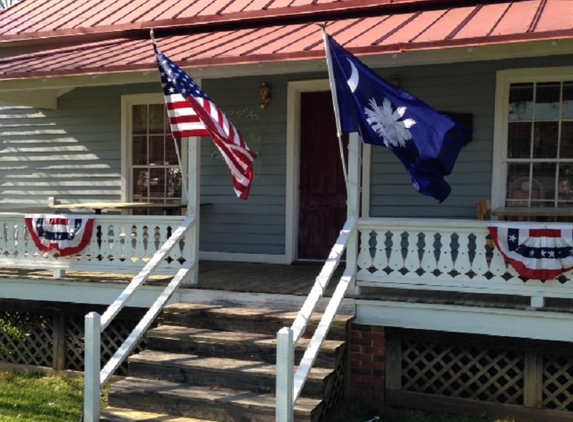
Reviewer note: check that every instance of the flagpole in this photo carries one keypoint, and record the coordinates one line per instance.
(335, 104)
(177, 153)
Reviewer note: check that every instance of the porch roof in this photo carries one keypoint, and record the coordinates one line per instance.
(386, 33)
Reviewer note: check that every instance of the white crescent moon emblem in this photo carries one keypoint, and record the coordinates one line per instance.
(354, 78)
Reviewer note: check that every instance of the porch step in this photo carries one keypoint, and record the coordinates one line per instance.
(222, 405)
(116, 414)
(254, 320)
(234, 344)
(259, 377)
(218, 363)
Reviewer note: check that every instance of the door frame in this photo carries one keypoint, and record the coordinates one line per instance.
(294, 92)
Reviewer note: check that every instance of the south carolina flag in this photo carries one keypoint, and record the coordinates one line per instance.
(536, 253)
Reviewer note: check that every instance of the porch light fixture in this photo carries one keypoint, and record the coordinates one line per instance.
(395, 80)
(266, 94)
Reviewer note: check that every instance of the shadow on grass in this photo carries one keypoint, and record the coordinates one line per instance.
(357, 411)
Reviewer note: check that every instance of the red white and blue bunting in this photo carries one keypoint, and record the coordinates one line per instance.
(66, 234)
(535, 253)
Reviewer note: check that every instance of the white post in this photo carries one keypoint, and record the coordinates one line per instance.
(285, 373)
(92, 367)
(354, 194)
(193, 205)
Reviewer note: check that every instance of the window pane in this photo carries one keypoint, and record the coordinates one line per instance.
(518, 182)
(139, 150)
(543, 184)
(140, 184)
(545, 136)
(566, 145)
(547, 101)
(157, 183)
(157, 150)
(170, 153)
(519, 140)
(565, 187)
(139, 123)
(520, 102)
(567, 106)
(173, 183)
(156, 118)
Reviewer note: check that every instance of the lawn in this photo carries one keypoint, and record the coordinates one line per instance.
(38, 397)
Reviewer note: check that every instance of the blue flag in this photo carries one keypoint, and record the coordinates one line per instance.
(424, 140)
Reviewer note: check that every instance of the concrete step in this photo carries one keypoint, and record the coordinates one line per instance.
(220, 372)
(234, 344)
(211, 403)
(254, 320)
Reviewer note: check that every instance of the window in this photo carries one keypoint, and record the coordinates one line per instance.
(537, 152)
(152, 171)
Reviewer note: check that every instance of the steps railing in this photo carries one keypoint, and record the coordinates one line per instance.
(289, 384)
(96, 378)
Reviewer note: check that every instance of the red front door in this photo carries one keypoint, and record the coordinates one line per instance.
(322, 191)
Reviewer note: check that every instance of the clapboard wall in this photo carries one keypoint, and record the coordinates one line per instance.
(74, 152)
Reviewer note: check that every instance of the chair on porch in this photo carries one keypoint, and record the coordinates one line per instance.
(483, 208)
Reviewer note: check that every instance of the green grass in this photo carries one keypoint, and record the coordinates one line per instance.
(37, 397)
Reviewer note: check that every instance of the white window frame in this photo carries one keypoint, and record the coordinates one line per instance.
(504, 80)
(127, 103)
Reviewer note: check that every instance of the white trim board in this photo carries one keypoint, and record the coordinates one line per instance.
(539, 325)
(79, 292)
(243, 257)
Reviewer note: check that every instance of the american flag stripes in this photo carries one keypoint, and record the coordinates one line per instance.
(192, 113)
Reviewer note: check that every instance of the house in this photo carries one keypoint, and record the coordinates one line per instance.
(438, 311)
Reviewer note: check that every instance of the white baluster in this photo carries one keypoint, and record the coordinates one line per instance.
(428, 263)
(395, 260)
(364, 259)
(463, 264)
(412, 260)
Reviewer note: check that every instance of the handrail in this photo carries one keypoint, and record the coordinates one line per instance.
(112, 311)
(289, 385)
(96, 378)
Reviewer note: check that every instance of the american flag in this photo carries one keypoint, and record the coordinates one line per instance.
(192, 113)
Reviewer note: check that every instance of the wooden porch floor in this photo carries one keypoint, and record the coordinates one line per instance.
(297, 280)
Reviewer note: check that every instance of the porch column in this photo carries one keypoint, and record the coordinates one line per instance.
(193, 203)
(353, 205)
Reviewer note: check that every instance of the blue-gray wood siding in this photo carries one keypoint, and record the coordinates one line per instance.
(75, 152)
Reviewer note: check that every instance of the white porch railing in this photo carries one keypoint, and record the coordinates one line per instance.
(289, 384)
(95, 379)
(119, 244)
(447, 255)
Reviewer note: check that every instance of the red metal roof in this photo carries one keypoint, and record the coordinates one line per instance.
(34, 19)
(508, 22)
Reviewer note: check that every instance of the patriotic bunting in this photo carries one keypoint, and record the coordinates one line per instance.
(535, 253)
(66, 234)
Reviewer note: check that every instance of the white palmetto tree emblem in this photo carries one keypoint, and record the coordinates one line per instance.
(387, 123)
